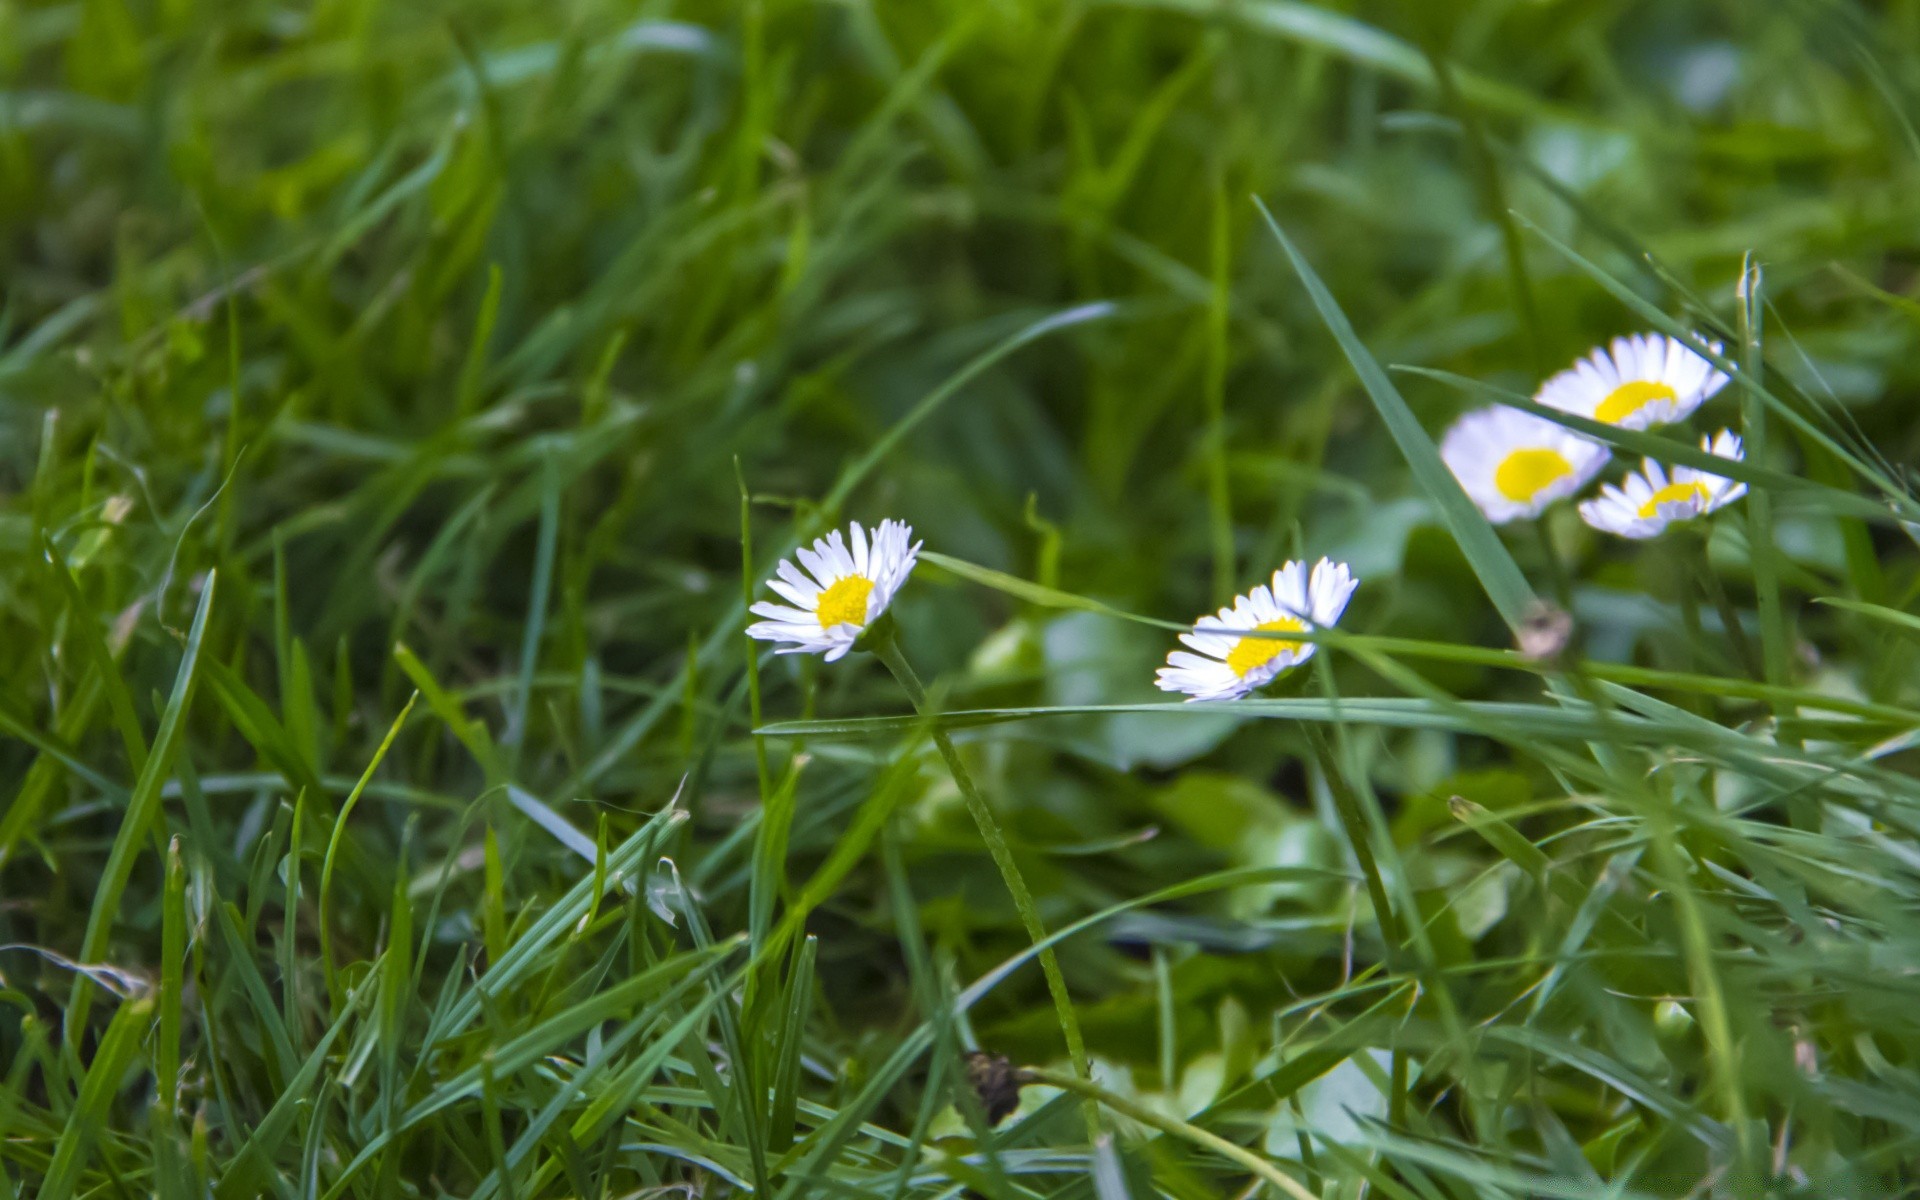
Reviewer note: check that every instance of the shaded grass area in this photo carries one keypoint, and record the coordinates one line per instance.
(393, 805)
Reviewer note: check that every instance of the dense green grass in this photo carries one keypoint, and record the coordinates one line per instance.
(393, 806)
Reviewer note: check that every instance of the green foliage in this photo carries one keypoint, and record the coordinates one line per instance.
(457, 842)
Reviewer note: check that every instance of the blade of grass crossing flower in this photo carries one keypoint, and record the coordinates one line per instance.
(1485, 553)
(1667, 325)
(1667, 450)
(143, 808)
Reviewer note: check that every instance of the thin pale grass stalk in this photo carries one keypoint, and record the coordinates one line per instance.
(885, 647)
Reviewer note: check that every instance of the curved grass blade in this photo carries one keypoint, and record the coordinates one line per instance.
(1664, 449)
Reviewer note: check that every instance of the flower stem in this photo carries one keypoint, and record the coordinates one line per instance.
(1174, 1127)
(1729, 617)
(883, 646)
(1556, 570)
(1354, 818)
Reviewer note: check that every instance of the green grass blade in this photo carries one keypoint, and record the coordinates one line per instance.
(1491, 563)
(143, 808)
(335, 992)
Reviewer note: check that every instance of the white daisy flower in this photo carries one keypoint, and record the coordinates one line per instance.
(1230, 665)
(1636, 383)
(849, 587)
(1644, 504)
(1514, 464)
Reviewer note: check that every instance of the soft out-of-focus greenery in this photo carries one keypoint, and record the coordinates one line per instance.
(356, 350)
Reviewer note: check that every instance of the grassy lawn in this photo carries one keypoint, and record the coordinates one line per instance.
(402, 404)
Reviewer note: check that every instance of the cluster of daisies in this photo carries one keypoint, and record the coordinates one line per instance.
(1514, 464)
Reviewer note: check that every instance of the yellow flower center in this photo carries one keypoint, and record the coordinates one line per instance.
(1681, 493)
(845, 603)
(1249, 654)
(1630, 397)
(1523, 474)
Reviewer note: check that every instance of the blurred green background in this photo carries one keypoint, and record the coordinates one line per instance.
(338, 326)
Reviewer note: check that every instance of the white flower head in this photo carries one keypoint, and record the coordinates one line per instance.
(1644, 504)
(1514, 464)
(1636, 383)
(844, 590)
(1229, 664)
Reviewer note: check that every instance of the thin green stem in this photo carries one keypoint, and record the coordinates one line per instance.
(1355, 820)
(884, 648)
(1486, 173)
(1557, 578)
(1689, 598)
(1729, 616)
(1760, 547)
(1173, 1127)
